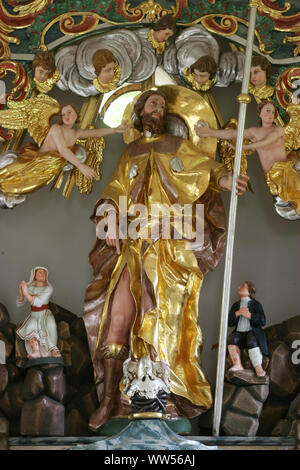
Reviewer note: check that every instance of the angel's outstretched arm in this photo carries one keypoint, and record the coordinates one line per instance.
(101, 132)
(269, 139)
(206, 131)
(58, 137)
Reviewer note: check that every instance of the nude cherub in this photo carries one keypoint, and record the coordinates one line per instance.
(268, 139)
(269, 142)
(36, 166)
(62, 137)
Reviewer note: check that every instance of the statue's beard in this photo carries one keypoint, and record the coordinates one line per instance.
(153, 125)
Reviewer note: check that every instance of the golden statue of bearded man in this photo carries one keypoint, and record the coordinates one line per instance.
(144, 296)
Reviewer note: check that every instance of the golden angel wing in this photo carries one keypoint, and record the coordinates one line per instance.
(33, 114)
(94, 149)
(292, 129)
(227, 153)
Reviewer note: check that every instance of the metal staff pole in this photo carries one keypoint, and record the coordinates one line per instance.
(243, 99)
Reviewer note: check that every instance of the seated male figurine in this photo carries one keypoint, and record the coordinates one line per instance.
(247, 315)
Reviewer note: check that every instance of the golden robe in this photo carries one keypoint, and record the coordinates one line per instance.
(284, 181)
(30, 171)
(165, 274)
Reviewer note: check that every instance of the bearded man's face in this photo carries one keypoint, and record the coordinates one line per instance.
(153, 114)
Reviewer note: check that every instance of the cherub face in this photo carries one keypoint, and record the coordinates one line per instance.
(107, 73)
(41, 74)
(267, 114)
(201, 77)
(68, 115)
(40, 275)
(163, 34)
(258, 76)
(243, 290)
(155, 105)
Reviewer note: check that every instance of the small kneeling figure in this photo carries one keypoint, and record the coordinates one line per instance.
(39, 330)
(247, 315)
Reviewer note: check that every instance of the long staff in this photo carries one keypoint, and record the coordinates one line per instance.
(243, 99)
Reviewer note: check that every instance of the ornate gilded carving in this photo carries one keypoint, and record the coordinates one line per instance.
(227, 152)
(94, 149)
(22, 82)
(292, 129)
(228, 26)
(67, 25)
(33, 114)
(285, 86)
(26, 15)
(264, 93)
(149, 10)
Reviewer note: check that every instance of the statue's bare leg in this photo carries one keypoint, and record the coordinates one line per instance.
(116, 349)
(235, 356)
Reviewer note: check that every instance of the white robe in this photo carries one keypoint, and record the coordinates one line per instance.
(40, 325)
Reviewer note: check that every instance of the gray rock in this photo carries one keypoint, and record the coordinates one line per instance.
(245, 403)
(236, 424)
(260, 392)
(229, 391)
(242, 406)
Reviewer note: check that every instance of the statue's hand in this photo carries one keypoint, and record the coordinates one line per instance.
(244, 312)
(124, 127)
(241, 183)
(202, 129)
(87, 171)
(23, 288)
(112, 235)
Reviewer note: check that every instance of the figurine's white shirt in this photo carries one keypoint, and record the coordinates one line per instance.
(244, 323)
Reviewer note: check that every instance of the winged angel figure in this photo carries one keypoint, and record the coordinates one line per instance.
(277, 149)
(56, 150)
